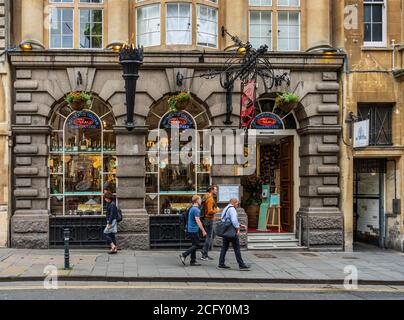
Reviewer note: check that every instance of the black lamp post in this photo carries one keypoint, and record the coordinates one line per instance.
(130, 58)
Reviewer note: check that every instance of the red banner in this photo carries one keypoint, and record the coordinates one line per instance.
(247, 103)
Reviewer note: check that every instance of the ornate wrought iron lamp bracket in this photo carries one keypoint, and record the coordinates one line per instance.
(246, 64)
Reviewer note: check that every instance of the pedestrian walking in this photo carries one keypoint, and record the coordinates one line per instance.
(111, 229)
(193, 225)
(230, 213)
(208, 212)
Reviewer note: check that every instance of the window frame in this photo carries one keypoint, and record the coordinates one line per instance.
(271, 44)
(375, 128)
(376, 44)
(197, 6)
(191, 24)
(299, 45)
(216, 5)
(275, 9)
(76, 5)
(103, 153)
(160, 23)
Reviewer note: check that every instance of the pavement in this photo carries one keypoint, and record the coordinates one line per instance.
(374, 267)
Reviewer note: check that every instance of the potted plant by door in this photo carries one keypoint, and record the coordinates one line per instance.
(287, 101)
(253, 187)
(77, 100)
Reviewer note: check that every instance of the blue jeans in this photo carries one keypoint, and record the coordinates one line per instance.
(110, 237)
(209, 228)
(236, 246)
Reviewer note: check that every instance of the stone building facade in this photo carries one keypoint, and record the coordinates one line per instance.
(44, 76)
(373, 88)
(5, 102)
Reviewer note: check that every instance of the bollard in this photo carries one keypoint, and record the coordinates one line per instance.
(66, 234)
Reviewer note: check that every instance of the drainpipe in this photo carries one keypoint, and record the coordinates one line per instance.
(394, 46)
(395, 197)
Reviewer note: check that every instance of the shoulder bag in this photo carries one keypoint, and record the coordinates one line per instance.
(226, 229)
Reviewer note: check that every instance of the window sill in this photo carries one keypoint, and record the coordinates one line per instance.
(370, 48)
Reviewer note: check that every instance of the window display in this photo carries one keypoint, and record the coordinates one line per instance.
(82, 160)
(178, 165)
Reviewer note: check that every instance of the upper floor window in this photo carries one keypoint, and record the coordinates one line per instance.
(380, 118)
(179, 23)
(283, 16)
(207, 26)
(375, 23)
(148, 25)
(76, 24)
(193, 22)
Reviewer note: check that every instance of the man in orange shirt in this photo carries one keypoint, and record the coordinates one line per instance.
(209, 210)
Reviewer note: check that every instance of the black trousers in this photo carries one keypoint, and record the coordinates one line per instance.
(225, 247)
(195, 245)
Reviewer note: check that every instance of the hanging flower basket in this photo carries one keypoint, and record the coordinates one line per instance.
(78, 100)
(181, 100)
(287, 102)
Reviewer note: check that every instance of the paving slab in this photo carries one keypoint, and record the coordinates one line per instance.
(372, 265)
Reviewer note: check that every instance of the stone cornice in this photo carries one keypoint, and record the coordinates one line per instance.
(22, 129)
(320, 130)
(167, 59)
(138, 130)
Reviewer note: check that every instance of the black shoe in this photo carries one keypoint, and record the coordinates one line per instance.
(204, 258)
(210, 258)
(223, 266)
(195, 264)
(245, 268)
(182, 259)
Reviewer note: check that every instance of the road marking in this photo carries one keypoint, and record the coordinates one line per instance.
(205, 288)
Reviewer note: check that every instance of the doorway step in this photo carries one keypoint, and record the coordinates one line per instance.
(273, 241)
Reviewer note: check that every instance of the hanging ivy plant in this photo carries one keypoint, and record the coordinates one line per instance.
(178, 100)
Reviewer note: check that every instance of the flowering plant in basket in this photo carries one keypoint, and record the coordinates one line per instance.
(78, 99)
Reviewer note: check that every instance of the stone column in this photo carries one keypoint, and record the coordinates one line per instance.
(319, 166)
(131, 171)
(318, 23)
(118, 21)
(236, 19)
(32, 20)
(30, 192)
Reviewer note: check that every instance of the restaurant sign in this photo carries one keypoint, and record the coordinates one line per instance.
(178, 120)
(267, 120)
(83, 120)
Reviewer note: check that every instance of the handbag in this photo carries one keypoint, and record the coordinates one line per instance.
(225, 229)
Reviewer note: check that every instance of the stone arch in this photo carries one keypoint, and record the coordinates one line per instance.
(197, 109)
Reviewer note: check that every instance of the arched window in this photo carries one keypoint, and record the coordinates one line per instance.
(271, 116)
(178, 161)
(82, 159)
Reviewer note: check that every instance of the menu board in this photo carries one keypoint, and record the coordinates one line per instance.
(228, 192)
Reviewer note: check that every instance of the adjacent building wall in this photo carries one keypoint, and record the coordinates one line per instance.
(369, 78)
(5, 87)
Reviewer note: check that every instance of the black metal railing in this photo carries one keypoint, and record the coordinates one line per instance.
(84, 231)
(167, 232)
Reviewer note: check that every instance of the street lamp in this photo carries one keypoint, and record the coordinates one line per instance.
(130, 58)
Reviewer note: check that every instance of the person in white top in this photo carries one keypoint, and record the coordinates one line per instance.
(230, 212)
